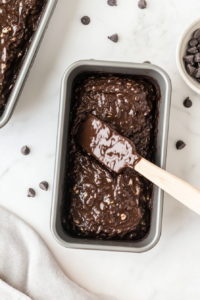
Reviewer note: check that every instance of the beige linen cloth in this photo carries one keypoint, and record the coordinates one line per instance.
(27, 268)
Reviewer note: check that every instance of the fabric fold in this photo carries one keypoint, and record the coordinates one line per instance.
(9, 293)
(27, 268)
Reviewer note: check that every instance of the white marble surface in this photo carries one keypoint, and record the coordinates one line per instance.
(171, 269)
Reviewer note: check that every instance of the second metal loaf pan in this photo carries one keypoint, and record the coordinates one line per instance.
(27, 63)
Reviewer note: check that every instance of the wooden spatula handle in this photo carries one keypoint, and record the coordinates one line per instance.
(179, 189)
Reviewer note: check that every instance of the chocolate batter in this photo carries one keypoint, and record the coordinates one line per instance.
(18, 22)
(98, 203)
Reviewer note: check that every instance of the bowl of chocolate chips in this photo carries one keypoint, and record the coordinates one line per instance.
(188, 56)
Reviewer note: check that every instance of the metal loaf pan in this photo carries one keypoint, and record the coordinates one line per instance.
(28, 62)
(60, 163)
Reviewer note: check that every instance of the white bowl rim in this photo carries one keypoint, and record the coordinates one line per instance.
(179, 58)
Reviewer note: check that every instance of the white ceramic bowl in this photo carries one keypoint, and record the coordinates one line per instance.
(181, 52)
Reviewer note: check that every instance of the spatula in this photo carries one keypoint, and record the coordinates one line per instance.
(117, 152)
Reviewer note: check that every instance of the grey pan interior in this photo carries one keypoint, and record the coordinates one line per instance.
(28, 62)
(160, 159)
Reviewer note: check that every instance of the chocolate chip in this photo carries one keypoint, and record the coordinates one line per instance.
(112, 2)
(193, 42)
(25, 150)
(196, 34)
(198, 48)
(85, 20)
(180, 145)
(142, 4)
(189, 59)
(197, 57)
(187, 102)
(114, 38)
(146, 62)
(44, 185)
(197, 75)
(193, 60)
(31, 193)
(191, 70)
(192, 50)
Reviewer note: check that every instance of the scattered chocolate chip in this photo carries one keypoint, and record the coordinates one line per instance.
(192, 50)
(191, 70)
(44, 185)
(193, 42)
(189, 59)
(31, 193)
(197, 34)
(146, 62)
(180, 145)
(114, 38)
(187, 102)
(25, 150)
(112, 2)
(197, 57)
(85, 20)
(142, 4)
